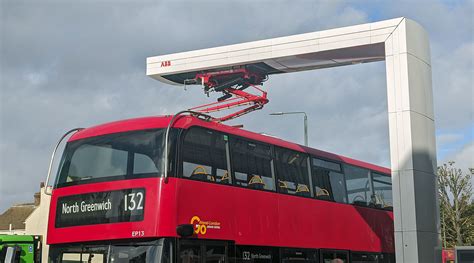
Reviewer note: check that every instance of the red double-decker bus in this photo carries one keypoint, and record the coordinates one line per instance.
(184, 189)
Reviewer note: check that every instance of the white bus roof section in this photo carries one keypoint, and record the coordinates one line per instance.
(327, 48)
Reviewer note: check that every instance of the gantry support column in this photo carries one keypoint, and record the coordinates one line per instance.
(412, 144)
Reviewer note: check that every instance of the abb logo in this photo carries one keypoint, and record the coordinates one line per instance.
(165, 63)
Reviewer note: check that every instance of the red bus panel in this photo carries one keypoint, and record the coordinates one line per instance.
(249, 217)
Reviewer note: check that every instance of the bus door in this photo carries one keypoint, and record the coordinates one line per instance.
(203, 251)
(334, 256)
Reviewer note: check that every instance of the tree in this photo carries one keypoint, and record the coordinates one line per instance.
(470, 214)
(455, 193)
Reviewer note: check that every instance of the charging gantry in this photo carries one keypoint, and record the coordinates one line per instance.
(404, 46)
(238, 71)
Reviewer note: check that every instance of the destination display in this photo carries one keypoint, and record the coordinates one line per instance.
(126, 205)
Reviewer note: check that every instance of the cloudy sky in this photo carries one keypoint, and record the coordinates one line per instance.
(65, 64)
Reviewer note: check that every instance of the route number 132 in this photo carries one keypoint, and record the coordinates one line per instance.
(133, 201)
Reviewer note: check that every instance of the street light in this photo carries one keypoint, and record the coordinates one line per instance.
(305, 122)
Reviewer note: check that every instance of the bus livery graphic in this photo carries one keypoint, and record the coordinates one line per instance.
(200, 227)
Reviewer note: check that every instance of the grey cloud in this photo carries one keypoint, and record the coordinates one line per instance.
(347, 110)
(450, 26)
(83, 63)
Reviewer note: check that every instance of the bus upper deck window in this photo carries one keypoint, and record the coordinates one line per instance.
(292, 172)
(252, 164)
(205, 157)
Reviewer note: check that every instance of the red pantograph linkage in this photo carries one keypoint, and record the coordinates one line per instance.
(232, 83)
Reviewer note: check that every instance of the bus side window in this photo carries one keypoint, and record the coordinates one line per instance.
(322, 187)
(204, 156)
(358, 185)
(252, 164)
(382, 190)
(338, 186)
(328, 180)
(292, 171)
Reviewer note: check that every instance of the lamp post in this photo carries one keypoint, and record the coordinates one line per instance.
(305, 122)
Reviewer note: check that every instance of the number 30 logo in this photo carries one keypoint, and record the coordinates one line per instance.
(198, 227)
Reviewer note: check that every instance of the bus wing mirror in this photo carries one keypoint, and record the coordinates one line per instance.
(185, 230)
(52, 158)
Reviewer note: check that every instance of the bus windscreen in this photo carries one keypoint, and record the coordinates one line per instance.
(154, 251)
(110, 157)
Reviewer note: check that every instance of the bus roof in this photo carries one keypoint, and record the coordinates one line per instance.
(186, 122)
